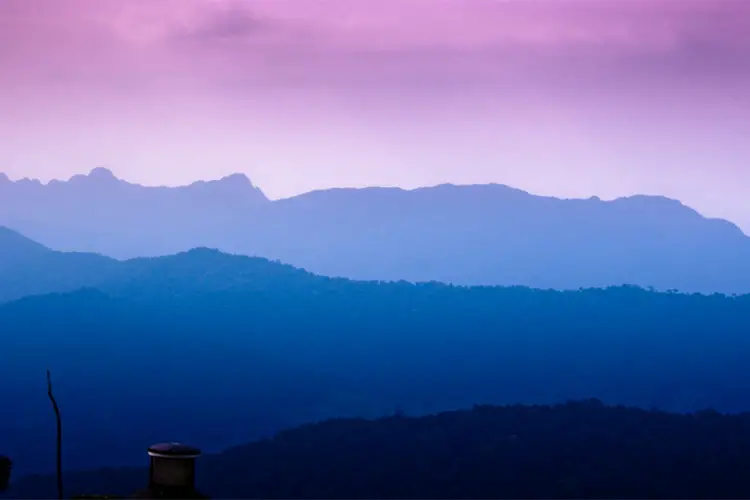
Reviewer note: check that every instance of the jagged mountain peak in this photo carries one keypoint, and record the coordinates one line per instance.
(236, 178)
(233, 184)
(102, 173)
(97, 176)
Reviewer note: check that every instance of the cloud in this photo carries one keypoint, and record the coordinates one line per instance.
(367, 42)
(229, 24)
(405, 24)
(216, 21)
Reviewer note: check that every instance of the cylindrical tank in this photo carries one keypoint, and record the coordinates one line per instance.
(5, 467)
(172, 469)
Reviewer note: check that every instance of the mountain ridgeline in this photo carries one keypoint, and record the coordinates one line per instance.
(469, 235)
(580, 449)
(219, 349)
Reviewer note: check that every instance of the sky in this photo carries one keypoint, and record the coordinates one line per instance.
(570, 98)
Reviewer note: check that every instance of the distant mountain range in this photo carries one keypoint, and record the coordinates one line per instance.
(217, 349)
(100, 213)
(482, 234)
(28, 268)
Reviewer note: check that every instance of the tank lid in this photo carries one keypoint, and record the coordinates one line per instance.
(173, 450)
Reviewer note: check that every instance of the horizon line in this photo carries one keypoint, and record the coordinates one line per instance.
(108, 172)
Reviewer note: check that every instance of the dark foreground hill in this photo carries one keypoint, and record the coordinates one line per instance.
(577, 450)
(217, 350)
(468, 235)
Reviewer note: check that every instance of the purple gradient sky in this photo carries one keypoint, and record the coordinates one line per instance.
(563, 97)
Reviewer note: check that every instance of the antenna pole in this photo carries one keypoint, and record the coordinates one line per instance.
(59, 436)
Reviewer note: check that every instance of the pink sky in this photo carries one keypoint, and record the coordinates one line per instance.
(561, 97)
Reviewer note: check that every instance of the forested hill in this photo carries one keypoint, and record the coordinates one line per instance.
(253, 346)
(581, 449)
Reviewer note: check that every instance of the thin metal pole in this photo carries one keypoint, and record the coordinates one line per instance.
(59, 437)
